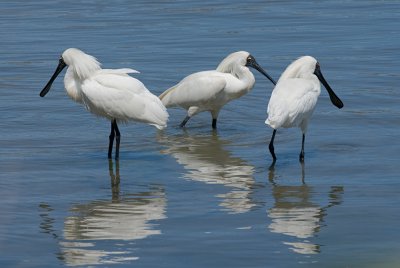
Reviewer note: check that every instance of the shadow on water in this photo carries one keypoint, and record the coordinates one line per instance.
(297, 212)
(206, 159)
(119, 221)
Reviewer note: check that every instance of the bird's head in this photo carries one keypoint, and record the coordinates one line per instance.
(241, 58)
(82, 64)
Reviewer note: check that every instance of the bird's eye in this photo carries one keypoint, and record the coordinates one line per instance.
(250, 59)
(61, 62)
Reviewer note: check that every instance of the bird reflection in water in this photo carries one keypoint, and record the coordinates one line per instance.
(115, 179)
(297, 214)
(104, 231)
(206, 160)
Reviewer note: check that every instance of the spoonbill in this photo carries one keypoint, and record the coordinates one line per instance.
(210, 90)
(109, 93)
(294, 98)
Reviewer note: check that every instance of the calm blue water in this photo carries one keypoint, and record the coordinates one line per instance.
(196, 198)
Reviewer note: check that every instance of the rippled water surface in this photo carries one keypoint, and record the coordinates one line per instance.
(194, 197)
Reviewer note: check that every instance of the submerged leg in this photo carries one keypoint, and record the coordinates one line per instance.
(115, 179)
(117, 139)
(303, 173)
(214, 123)
(111, 141)
(271, 146)
(214, 116)
(301, 158)
(184, 121)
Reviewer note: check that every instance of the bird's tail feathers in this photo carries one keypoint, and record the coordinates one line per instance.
(272, 123)
(159, 116)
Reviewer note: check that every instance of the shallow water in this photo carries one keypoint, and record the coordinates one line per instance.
(195, 197)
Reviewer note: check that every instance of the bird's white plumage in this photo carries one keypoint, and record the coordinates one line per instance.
(111, 93)
(211, 90)
(295, 96)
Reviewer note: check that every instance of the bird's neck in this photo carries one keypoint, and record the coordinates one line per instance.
(246, 76)
(73, 85)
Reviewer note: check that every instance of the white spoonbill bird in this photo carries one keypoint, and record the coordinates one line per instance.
(294, 98)
(110, 93)
(210, 90)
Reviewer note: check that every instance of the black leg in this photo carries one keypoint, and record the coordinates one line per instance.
(301, 158)
(271, 146)
(117, 139)
(214, 123)
(111, 138)
(184, 121)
